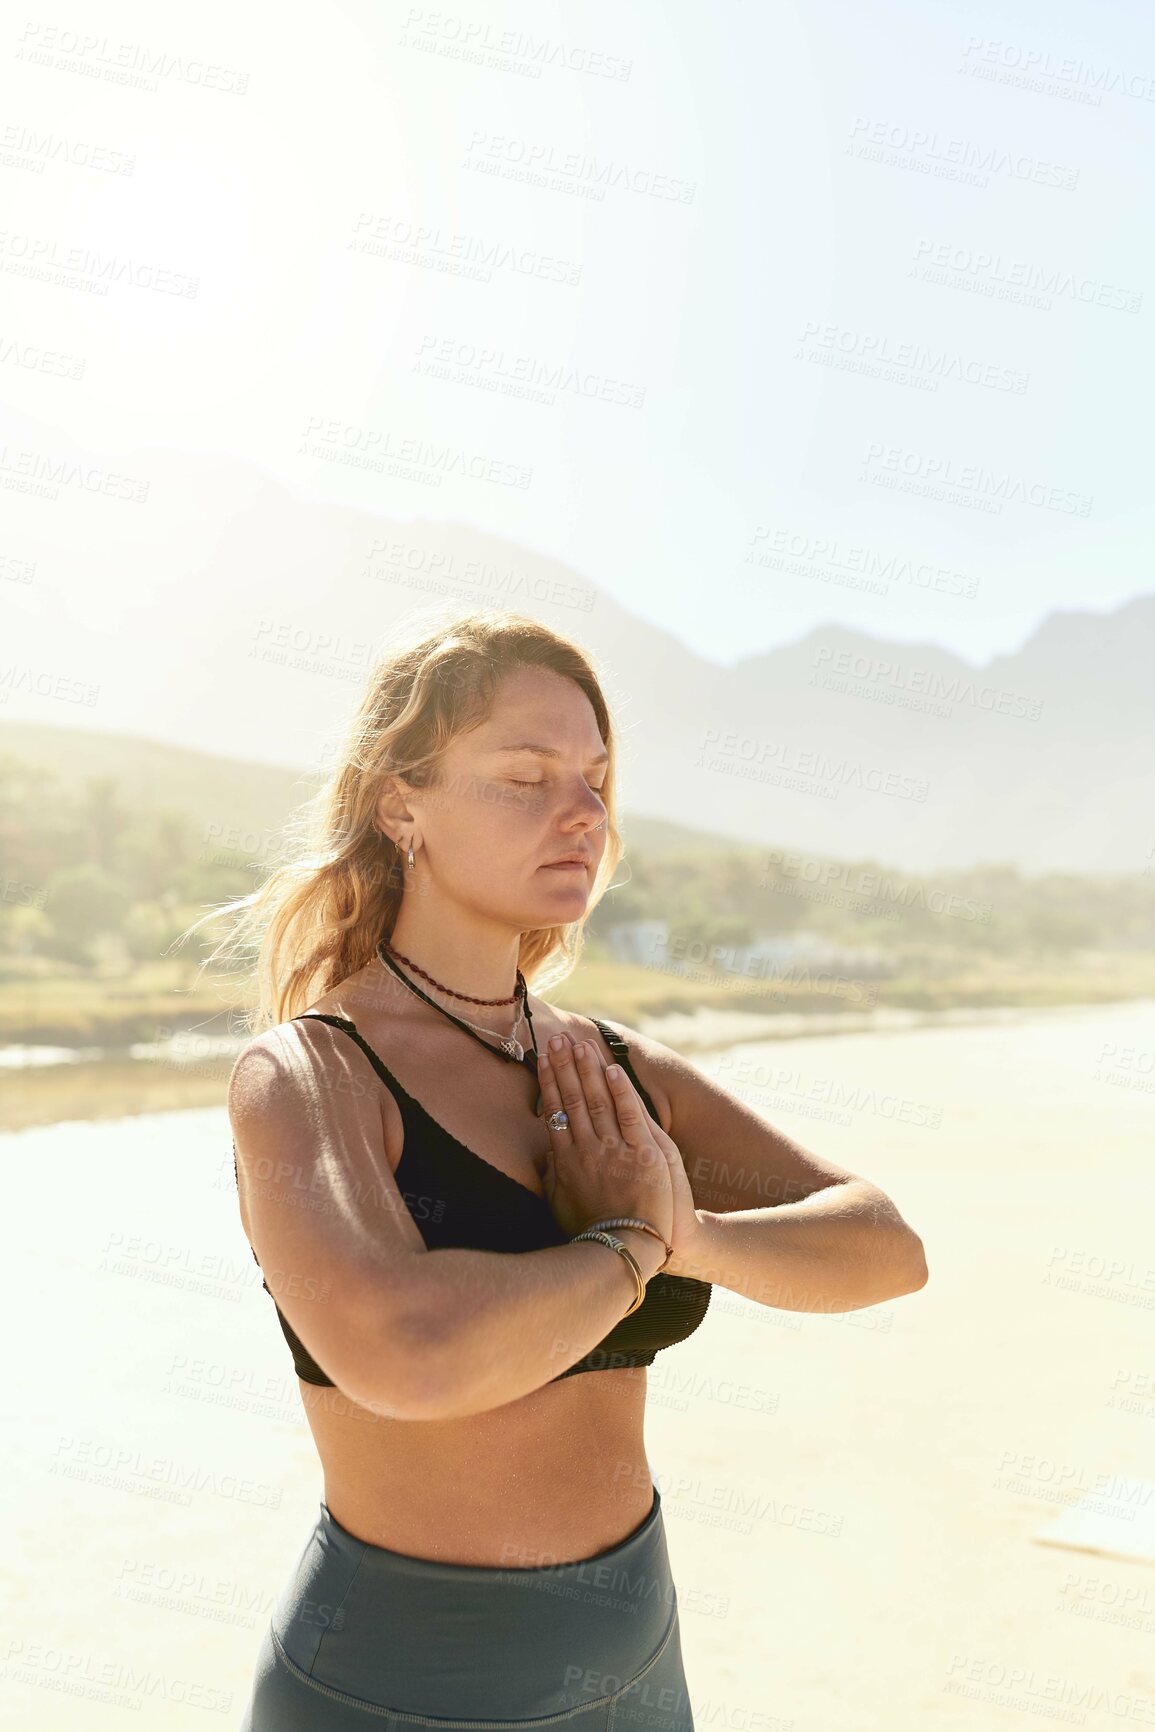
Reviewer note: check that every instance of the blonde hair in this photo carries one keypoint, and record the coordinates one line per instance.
(319, 915)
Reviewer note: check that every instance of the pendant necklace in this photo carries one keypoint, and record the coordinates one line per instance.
(510, 1048)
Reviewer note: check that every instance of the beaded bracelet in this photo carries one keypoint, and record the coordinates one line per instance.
(615, 1244)
(631, 1221)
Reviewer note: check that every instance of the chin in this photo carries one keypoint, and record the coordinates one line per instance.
(578, 894)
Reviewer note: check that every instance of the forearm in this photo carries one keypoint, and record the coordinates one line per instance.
(499, 1325)
(839, 1249)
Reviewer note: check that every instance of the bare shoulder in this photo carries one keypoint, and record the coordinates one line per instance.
(261, 1071)
(272, 1065)
(307, 1076)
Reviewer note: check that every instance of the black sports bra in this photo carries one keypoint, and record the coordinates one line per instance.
(459, 1199)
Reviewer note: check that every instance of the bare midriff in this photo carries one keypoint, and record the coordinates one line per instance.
(553, 1477)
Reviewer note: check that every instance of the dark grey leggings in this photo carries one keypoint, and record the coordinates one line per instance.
(363, 1637)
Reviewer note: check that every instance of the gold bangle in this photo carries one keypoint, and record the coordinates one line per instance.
(615, 1244)
(631, 1221)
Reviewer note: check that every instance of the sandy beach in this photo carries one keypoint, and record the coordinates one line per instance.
(853, 1503)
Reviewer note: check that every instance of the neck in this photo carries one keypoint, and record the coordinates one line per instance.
(470, 956)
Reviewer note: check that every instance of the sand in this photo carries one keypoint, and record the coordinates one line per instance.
(851, 1502)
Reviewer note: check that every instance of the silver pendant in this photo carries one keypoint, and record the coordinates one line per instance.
(513, 1047)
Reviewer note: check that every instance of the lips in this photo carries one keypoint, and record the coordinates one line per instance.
(573, 865)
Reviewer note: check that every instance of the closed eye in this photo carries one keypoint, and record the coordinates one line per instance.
(541, 784)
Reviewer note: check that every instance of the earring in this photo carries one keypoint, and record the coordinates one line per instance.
(411, 860)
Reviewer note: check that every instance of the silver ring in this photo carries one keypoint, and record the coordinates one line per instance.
(558, 1121)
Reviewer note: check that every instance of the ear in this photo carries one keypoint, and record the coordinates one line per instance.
(392, 813)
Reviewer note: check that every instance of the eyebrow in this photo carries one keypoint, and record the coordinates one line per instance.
(542, 751)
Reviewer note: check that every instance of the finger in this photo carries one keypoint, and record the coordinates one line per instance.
(635, 1128)
(603, 1064)
(592, 1073)
(570, 1088)
(592, 1046)
(633, 1119)
(550, 1096)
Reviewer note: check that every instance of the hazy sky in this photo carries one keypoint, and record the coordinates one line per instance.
(758, 316)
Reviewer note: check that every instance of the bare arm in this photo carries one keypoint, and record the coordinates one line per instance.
(500, 1325)
(777, 1223)
(840, 1249)
(403, 1331)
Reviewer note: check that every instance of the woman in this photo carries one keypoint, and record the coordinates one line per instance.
(471, 1299)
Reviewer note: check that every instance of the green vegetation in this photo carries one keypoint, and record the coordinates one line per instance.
(104, 867)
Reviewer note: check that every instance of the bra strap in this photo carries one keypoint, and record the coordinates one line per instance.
(349, 1028)
(619, 1046)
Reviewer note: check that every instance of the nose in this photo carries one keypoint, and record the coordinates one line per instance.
(588, 807)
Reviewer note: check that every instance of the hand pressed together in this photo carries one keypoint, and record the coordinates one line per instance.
(614, 1159)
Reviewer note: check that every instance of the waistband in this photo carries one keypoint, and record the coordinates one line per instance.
(406, 1632)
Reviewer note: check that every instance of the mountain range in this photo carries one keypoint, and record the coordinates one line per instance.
(249, 613)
